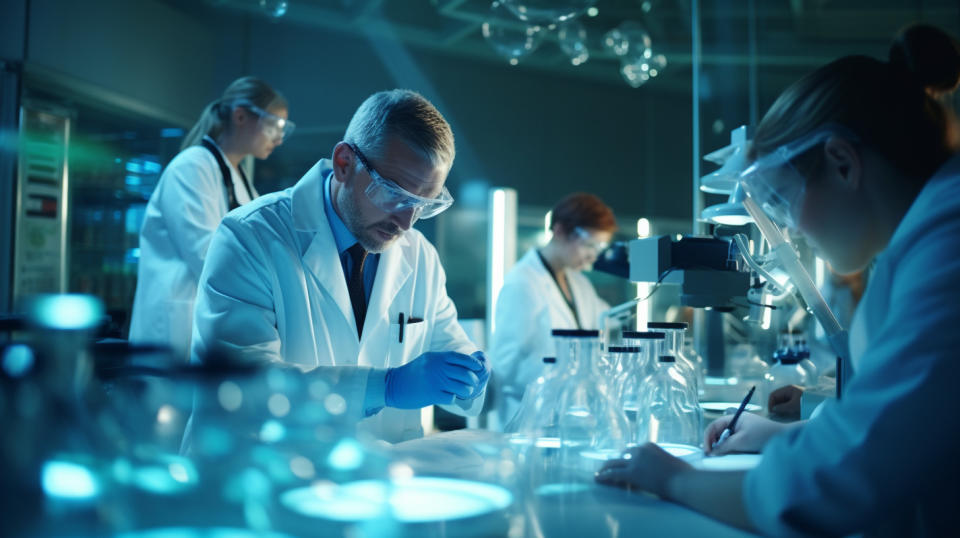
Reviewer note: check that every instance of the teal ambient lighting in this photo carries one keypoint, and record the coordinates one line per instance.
(346, 456)
(684, 452)
(17, 360)
(68, 312)
(413, 500)
(68, 480)
(190, 532)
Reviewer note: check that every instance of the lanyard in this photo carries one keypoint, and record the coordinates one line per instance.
(227, 177)
(571, 304)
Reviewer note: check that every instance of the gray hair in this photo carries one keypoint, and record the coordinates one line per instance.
(215, 118)
(407, 115)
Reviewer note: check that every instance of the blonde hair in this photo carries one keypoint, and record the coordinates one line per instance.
(215, 118)
(887, 104)
(407, 115)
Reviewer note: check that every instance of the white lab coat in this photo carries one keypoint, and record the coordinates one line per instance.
(184, 210)
(884, 458)
(529, 307)
(273, 289)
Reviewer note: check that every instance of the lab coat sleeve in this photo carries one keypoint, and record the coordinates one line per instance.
(890, 441)
(192, 202)
(448, 335)
(517, 336)
(235, 315)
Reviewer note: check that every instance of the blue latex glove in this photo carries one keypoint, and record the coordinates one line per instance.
(433, 378)
(482, 375)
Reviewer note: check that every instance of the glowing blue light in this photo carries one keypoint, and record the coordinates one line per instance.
(566, 488)
(272, 431)
(196, 532)
(68, 480)
(720, 407)
(413, 500)
(17, 360)
(66, 312)
(132, 180)
(156, 480)
(171, 132)
(730, 462)
(151, 167)
(346, 456)
(681, 451)
(133, 166)
(601, 455)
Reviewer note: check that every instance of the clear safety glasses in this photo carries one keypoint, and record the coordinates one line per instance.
(587, 239)
(273, 126)
(775, 184)
(391, 198)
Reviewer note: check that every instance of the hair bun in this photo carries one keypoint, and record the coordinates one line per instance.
(929, 55)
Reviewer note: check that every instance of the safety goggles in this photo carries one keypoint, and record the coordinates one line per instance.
(775, 184)
(587, 239)
(391, 198)
(274, 127)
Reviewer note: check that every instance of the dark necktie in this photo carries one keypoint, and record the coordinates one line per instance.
(355, 285)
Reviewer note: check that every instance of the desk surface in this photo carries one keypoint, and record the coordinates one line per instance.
(587, 509)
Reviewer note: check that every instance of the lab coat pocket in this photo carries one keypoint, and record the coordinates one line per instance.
(413, 344)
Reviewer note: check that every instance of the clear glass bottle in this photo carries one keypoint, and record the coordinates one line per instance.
(803, 352)
(673, 345)
(787, 371)
(671, 411)
(631, 360)
(538, 420)
(518, 428)
(591, 424)
(745, 365)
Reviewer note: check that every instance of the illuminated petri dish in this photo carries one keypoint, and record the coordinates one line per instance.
(561, 488)
(601, 455)
(196, 532)
(685, 452)
(414, 500)
(732, 462)
(720, 407)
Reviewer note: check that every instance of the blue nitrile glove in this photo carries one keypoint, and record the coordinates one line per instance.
(432, 378)
(483, 375)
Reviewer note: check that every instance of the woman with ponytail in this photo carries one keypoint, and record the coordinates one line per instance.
(199, 186)
(860, 157)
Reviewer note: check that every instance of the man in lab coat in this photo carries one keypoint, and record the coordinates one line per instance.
(330, 276)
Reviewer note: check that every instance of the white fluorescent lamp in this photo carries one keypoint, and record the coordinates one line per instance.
(501, 246)
(731, 213)
(643, 288)
(732, 160)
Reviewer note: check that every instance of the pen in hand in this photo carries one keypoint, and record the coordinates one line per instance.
(733, 423)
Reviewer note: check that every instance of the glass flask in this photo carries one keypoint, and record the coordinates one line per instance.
(591, 424)
(519, 426)
(787, 371)
(803, 352)
(674, 345)
(671, 414)
(745, 365)
(537, 421)
(634, 369)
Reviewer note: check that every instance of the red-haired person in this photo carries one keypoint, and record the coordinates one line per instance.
(546, 290)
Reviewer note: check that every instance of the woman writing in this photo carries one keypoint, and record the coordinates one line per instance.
(858, 156)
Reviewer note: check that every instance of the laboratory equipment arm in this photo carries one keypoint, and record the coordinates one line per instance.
(235, 316)
(888, 442)
(192, 203)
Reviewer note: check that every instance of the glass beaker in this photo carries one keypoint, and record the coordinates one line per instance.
(671, 412)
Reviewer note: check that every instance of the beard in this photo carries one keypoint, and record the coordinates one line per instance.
(373, 237)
